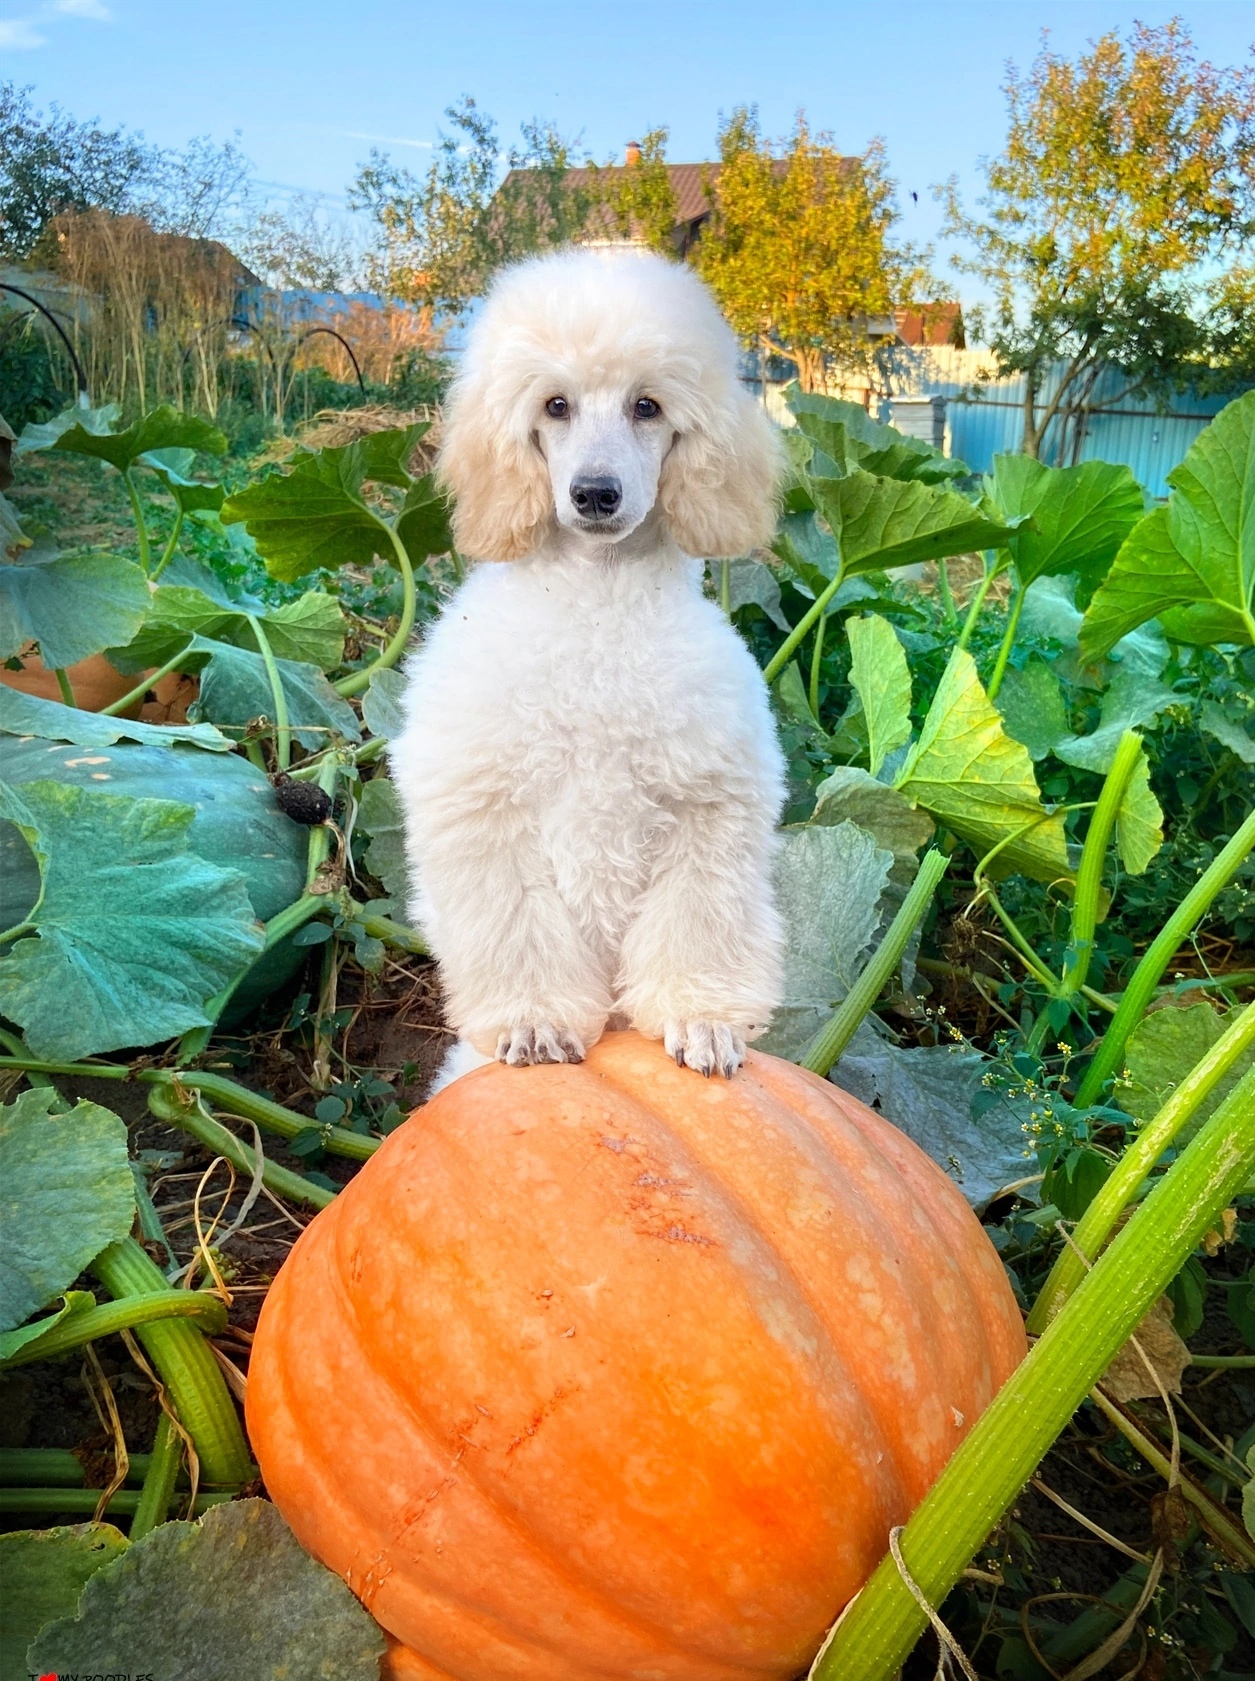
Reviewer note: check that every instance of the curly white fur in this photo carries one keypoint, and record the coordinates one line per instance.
(589, 770)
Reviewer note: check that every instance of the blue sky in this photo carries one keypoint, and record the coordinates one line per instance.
(312, 86)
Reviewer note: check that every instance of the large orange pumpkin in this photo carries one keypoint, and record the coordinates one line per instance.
(612, 1371)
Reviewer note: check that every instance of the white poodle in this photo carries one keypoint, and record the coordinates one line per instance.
(589, 769)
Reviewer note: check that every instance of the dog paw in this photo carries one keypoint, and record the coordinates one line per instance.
(710, 1047)
(539, 1042)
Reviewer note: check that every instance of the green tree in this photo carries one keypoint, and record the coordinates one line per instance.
(638, 199)
(1126, 176)
(800, 251)
(440, 235)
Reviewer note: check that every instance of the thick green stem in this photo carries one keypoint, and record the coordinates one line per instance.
(167, 554)
(395, 934)
(993, 569)
(192, 1117)
(141, 530)
(56, 1467)
(1034, 1405)
(359, 680)
(947, 595)
(793, 641)
(159, 1480)
(63, 685)
(1136, 1165)
(187, 1366)
(76, 1501)
(116, 708)
(828, 1044)
(1141, 988)
(78, 1329)
(283, 729)
(1094, 856)
(817, 655)
(1008, 642)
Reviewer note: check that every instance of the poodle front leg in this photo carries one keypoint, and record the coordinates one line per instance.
(520, 981)
(702, 962)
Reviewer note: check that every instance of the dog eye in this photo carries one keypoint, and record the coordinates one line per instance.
(557, 408)
(646, 409)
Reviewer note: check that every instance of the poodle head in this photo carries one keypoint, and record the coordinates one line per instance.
(597, 386)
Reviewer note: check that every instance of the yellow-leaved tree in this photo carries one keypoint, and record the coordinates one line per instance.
(800, 247)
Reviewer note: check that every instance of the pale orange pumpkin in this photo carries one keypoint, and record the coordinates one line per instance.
(612, 1371)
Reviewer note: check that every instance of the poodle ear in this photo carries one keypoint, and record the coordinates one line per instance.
(502, 499)
(718, 484)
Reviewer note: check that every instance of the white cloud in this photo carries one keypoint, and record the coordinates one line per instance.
(85, 9)
(20, 34)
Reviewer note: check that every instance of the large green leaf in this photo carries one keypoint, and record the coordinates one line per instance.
(1034, 711)
(66, 1193)
(28, 715)
(161, 428)
(1077, 517)
(969, 774)
(44, 434)
(310, 629)
(851, 795)
(235, 689)
(1192, 564)
(73, 605)
(238, 824)
(379, 816)
(848, 436)
(1133, 698)
(133, 933)
(750, 582)
(312, 517)
(1139, 822)
(385, 456)
(231, 1598)
(44, 1572)
(191, 495)
(881, 523)
(1162, 1049)
(882, 681)
(829, 882)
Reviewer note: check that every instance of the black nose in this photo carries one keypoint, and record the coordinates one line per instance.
(596, 498)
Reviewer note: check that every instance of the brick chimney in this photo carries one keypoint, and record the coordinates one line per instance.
(633, 153)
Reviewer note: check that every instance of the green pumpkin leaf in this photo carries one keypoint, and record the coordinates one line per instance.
(791, 696)
(133, 931)
(313, 517)
(881, 523)
(850, 438)
(28, 715)
(235, 689)
(882, 681)
(160, 429)
(1191, 564)
(234, 1596)
(927, 1092)
(752, 583)
(310, 629)
(1132, 699)
(1227, 731)
(1162, 1049)
(44, 1572)
(423, 523)
(381, 704)
(967, 773)
(379, 816)
(1076, 517)
(66, 1193)
(1034, 711)
(12, 1342)
(385, 456)
(851, 795)
(1139, 823)
(190, 495)
(73, 605)
(99, 422)
(829, 882)
(238, 824)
